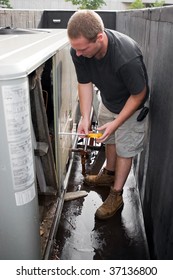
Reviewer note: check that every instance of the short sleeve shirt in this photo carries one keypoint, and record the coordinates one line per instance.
(119, 74)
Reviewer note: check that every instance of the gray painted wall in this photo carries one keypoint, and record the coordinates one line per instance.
(21, 18)
(153, 29)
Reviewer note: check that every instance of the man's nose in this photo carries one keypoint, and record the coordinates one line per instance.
(78, 53)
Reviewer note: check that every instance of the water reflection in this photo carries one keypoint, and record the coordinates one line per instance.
(80, 241)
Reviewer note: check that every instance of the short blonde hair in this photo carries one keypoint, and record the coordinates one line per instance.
(86, 23)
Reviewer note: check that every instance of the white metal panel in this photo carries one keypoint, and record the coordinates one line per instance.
(65, 108)
(21, 54)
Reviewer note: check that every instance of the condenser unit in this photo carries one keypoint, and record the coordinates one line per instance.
(38, 100)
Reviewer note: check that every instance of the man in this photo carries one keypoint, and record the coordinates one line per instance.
(113, 63)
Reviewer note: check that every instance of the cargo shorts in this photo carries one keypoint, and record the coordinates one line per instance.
(129, 137)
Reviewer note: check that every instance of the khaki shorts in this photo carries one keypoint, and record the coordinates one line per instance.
(129, 137)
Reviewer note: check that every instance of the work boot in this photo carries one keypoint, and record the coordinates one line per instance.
(110, 206)
(104, 178)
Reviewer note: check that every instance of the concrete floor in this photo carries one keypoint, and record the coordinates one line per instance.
(82, 237)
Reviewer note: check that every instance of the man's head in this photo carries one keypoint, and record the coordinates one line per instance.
(85, 30)
(86, 23)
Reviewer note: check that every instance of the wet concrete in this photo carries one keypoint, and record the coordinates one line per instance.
(82, 237)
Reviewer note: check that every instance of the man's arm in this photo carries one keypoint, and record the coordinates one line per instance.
(133, 102)
(130, 108)
(85, 92)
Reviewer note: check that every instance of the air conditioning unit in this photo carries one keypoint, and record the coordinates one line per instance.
(38, 100)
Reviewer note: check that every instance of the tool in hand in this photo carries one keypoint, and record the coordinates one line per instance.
(89, 135)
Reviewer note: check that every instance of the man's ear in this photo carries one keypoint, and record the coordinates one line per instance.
(100, 36)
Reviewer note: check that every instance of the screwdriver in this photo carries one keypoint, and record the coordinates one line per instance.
(89, 135)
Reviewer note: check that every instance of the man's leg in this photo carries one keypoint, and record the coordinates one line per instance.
(123, 167)
(110, 154)
(107, 174)
(129, 142)
(114, 200)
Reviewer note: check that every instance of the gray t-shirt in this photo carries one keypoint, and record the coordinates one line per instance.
(119, 74)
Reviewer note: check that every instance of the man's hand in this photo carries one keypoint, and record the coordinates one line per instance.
(83, 126)
(107, 129)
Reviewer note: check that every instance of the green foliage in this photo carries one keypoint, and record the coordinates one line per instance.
(137, 4)
(158, 3)
(6, 3)
(87, 4)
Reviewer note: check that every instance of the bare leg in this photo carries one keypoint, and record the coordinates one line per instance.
(105, 177)
(110, 152)
(123, 167)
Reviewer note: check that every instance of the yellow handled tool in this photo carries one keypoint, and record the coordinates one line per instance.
(89, 135)
(94, 135)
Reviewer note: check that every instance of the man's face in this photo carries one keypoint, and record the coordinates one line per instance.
(86, 48)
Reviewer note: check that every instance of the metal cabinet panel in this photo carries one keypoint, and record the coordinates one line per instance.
(65, 105)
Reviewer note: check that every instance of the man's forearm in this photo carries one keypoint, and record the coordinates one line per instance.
(130, 107)
(85, 92)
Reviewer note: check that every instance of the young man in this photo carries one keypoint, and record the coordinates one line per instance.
(113, 63)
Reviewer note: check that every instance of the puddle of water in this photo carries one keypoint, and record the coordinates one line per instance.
(80, 240)
(80, 236)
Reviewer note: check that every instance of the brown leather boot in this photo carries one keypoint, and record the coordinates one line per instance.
(110, 206)
(104, 178)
